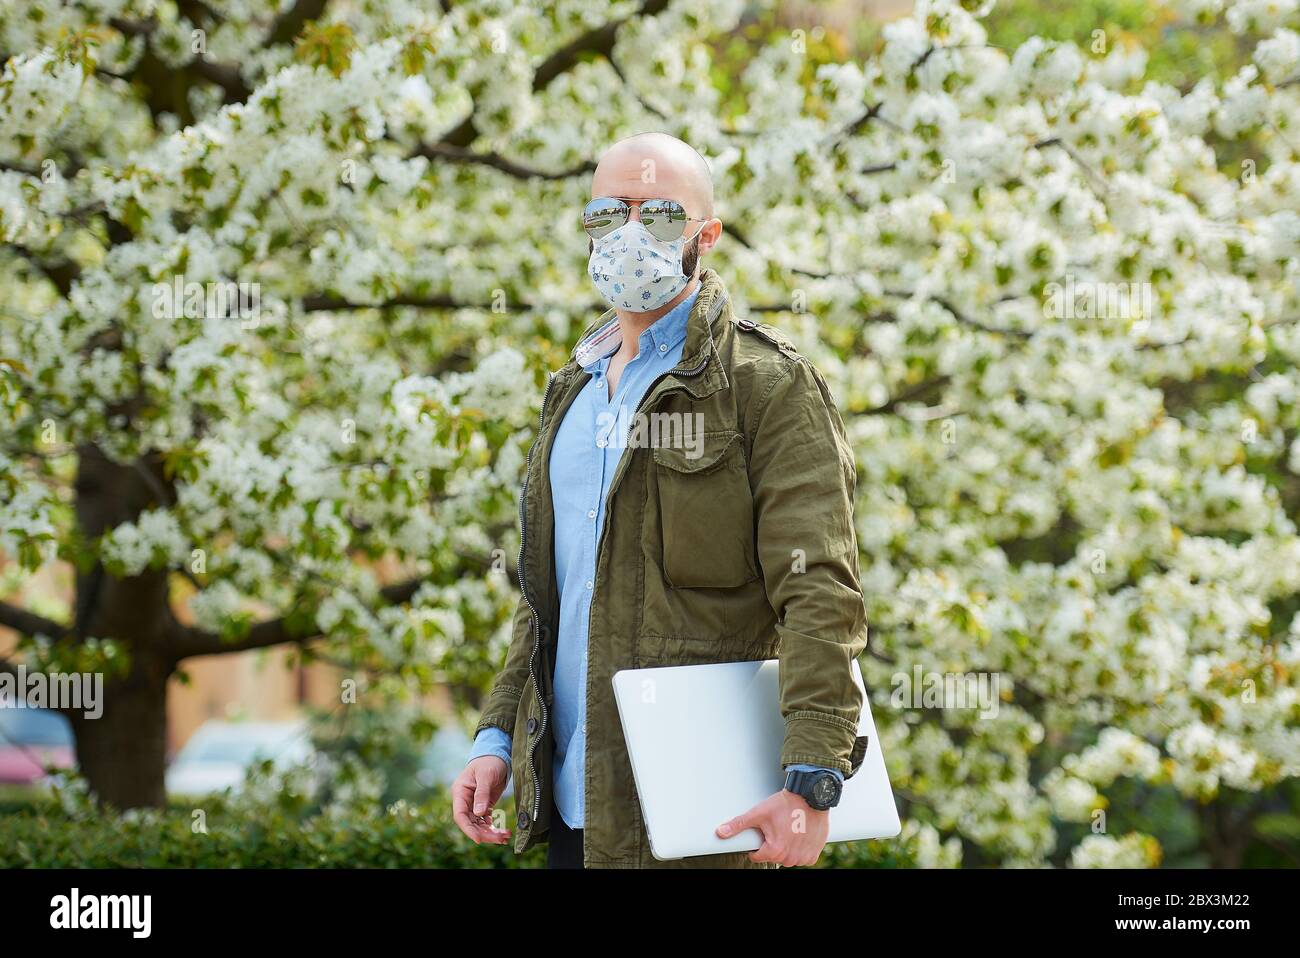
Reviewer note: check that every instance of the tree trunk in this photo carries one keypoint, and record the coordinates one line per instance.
(1224, 835)
(123, 752)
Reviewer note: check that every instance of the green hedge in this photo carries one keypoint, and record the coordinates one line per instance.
(44, 834)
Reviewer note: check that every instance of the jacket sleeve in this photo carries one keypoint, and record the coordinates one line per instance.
(803, 479)
(503, 704)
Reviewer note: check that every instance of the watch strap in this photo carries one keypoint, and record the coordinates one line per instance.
(801, 783)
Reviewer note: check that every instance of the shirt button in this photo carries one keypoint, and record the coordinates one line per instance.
(601, 443)
(663, 347)
(589, 583)
(591, 513)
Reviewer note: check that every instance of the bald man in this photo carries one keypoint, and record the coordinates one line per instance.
(688, 499)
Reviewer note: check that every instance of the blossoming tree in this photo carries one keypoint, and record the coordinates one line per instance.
(1085, 493)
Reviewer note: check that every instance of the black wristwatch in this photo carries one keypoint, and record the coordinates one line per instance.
(821, 790)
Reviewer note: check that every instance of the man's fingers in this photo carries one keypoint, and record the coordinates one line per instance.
(779, 845)
(767, 852)
(738, 824)
(460, 815)
(482, 796)
(461, 794)
(466, 791)
(770, 850)
(491, 834)
(479, 829)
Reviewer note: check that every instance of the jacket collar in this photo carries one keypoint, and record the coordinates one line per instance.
(668, 330)
(704, 325)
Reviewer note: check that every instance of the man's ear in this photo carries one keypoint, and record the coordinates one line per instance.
(710, 234)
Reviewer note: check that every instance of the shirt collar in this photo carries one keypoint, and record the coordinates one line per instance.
(666, 331)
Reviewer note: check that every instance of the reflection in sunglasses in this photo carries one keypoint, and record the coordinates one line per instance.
(664, 218)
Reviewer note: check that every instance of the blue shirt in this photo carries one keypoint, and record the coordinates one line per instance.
(588, 445)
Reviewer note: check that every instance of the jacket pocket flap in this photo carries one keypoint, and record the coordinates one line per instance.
(701, 454)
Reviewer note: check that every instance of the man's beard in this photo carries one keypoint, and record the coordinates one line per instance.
(690, 255)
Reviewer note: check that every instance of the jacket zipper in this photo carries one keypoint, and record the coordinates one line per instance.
(604, 526)
(523, 588)
(537, 625)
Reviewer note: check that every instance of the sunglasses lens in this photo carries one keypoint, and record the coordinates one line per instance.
(665, 219)
(602, 216)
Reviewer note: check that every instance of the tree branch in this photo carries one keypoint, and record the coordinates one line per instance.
(966, 320)
(454, 146)
(905, 396)
(191, 641)
(223, 75)
(62, 273)
(318, 302)
(28, 623)
(19, 168)
(594, 43)
(448, 151)
(464, 134)
(290, 23)
(1099, 186)
(893, 293)
(597, 42)
(856, 126)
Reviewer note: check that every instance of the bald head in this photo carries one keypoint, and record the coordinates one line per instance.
(656, 166)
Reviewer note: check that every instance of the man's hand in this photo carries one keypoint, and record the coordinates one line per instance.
(473, 796)
(793, 832)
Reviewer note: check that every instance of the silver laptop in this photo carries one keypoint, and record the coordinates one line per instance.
(705, 743)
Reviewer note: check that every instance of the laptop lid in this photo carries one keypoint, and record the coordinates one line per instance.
(705, 744)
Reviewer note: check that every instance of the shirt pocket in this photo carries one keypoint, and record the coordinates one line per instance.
(706, 513)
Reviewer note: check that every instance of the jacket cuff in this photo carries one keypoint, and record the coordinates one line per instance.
(816, 738)
(491, 741)
(500, 711)
(805, 767)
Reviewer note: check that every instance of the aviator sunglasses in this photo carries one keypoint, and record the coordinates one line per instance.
(665, 219)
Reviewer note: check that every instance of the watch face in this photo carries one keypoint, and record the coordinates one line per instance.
(824, 790)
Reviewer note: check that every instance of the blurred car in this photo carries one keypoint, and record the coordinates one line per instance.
(31, 741)
(219, 754)
(444, 758)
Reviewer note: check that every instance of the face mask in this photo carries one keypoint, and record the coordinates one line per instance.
(635, 271)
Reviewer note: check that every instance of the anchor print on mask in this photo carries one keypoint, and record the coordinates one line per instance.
(635, 271)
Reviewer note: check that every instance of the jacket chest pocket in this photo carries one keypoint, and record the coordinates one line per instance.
(706, 513)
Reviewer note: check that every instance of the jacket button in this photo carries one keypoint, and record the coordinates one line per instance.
(531, 726)
(522, 820)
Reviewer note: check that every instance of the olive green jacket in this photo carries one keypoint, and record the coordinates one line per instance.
(746, 551)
